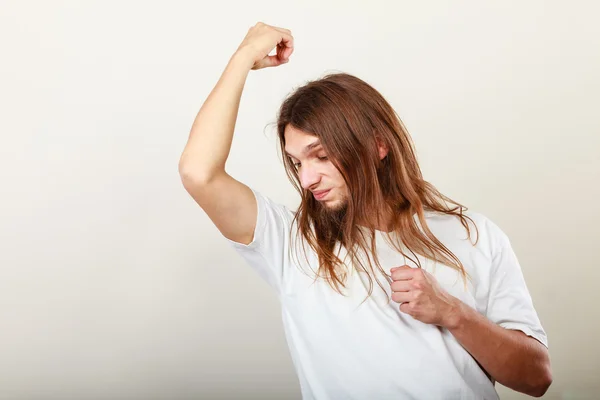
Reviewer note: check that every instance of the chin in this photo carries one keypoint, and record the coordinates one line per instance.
(334, 204)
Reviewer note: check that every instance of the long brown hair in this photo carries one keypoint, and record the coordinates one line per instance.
(347, 115)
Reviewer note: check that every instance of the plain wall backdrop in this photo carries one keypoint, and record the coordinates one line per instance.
(114, 284)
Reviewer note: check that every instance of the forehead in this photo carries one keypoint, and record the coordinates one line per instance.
(298, 142)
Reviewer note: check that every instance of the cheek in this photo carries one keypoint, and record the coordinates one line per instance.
(341, 184)
(336, 176)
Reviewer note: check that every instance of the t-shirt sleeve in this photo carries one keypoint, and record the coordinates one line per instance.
(509, 302)
(267, 252)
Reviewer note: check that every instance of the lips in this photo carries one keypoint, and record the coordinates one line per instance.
(321, 194)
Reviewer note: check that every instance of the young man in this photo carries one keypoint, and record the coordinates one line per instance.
(453, 315)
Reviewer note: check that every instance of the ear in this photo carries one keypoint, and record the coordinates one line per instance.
(381, 147)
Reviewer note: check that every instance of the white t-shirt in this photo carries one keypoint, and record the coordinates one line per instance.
(375, 351)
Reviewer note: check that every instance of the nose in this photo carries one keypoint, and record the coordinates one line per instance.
(308, 176)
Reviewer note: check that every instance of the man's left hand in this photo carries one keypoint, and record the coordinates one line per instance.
(422, 297)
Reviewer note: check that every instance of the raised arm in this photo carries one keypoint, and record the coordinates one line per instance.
(229, 203)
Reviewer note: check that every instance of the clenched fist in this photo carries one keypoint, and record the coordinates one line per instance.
(261, 39)
(423, 298)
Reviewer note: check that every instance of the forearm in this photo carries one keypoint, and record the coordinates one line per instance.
(510, 357)
(211, 135)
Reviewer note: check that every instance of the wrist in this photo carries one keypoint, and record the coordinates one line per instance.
(243, 57)
(456, 316)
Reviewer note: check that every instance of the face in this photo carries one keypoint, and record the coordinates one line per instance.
(315, 170)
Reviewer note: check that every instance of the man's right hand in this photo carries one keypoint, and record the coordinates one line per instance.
(263, 38)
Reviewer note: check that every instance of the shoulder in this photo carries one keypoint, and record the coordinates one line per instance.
(274, 207)
(274, 219)
(484, 232)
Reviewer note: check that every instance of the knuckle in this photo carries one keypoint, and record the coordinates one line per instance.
(418, 285)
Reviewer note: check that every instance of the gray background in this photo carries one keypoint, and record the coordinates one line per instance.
(115, 285)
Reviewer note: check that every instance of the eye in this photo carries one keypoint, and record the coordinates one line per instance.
(297, 165)
(323, 158)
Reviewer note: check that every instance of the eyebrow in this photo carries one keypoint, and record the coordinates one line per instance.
(308, 148)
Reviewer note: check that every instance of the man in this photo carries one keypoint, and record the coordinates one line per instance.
(454, 315)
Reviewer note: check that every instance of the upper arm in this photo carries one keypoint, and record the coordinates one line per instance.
(229, 204)
(509, 302)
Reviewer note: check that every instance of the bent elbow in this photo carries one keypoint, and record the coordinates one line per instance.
(542, 383)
